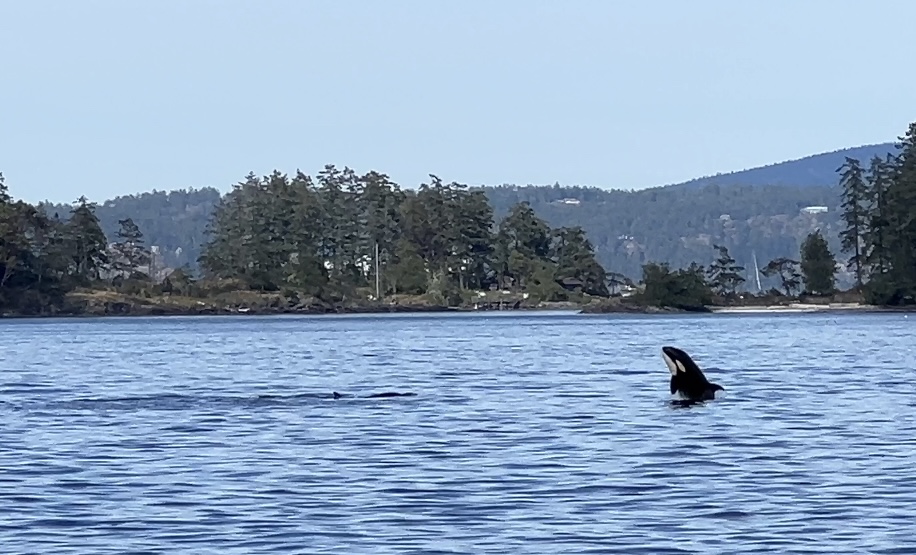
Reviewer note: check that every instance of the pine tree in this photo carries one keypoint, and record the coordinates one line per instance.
(901, 200)
(787, 270)
(378, 202)
(523, 241)
(340, 223)
(129, 254)
(224, 253)
(876, 236)
(471, 238)
(574, 256)
(89, 246)
(855, 191)
(724, 273)
(818, 265)
(13, 240)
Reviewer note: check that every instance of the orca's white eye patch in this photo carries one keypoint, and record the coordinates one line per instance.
(680, 366)
(670, 364)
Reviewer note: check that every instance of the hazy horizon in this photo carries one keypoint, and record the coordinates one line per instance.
(107, 98)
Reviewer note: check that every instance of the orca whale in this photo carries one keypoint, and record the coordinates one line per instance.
(687, 380)
(384, 394)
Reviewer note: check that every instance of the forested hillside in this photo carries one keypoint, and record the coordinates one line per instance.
(174, 221)
(755, 211)
(627, 228)
(679, 225)
(811, 171)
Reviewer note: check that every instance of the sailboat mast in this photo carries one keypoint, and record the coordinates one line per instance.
(757, 272)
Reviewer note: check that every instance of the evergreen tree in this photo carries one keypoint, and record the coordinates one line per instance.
(32, 262)
(787, 270)
(428, 224)
(574, 256)
(379, 201)
(226, 253)
(685, 288)
(818, 265)
(307, 270)
(407, 271)
(340, 224)
(12, 240)
(855, 192)
(724, 274)
(901, 202)
(129, 253)
(877, 224)
(471, 237)
(523, 241)
(89, 246)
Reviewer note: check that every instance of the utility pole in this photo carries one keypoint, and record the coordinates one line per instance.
(377, 297)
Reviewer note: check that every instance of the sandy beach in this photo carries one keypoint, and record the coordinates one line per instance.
(795, 307)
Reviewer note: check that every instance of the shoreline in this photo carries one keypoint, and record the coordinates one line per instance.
(100, 303)
(799, 307)
(158, 310)
(254, 313)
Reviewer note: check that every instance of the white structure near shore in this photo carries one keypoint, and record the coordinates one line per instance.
(793, 307)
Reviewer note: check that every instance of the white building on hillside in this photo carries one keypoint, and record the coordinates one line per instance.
(814, 210)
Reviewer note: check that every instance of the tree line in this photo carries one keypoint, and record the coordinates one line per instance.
(43, 257)
(697, 286)
(336, 235)
(879, 213)
(342, 234)
(627, 228)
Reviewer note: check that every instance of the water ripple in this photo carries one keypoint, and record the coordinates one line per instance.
(528, 434)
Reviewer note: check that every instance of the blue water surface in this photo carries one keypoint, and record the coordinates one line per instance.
(530, 433)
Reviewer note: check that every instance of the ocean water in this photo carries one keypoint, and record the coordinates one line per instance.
(530, 433)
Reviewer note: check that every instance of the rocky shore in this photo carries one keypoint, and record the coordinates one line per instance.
(617, 306)
(110, 303)
(114, 303)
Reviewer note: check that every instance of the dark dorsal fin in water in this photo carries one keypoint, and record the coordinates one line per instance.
(384, 394)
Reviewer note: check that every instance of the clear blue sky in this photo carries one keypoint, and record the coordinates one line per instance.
(107, 97)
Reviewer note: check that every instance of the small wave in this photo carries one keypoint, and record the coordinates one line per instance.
(180, 402)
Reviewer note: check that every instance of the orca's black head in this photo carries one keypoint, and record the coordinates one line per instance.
(678, 361)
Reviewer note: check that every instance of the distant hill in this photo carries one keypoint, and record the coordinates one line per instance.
(815, 170)
(174, 221)
(681, 225)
